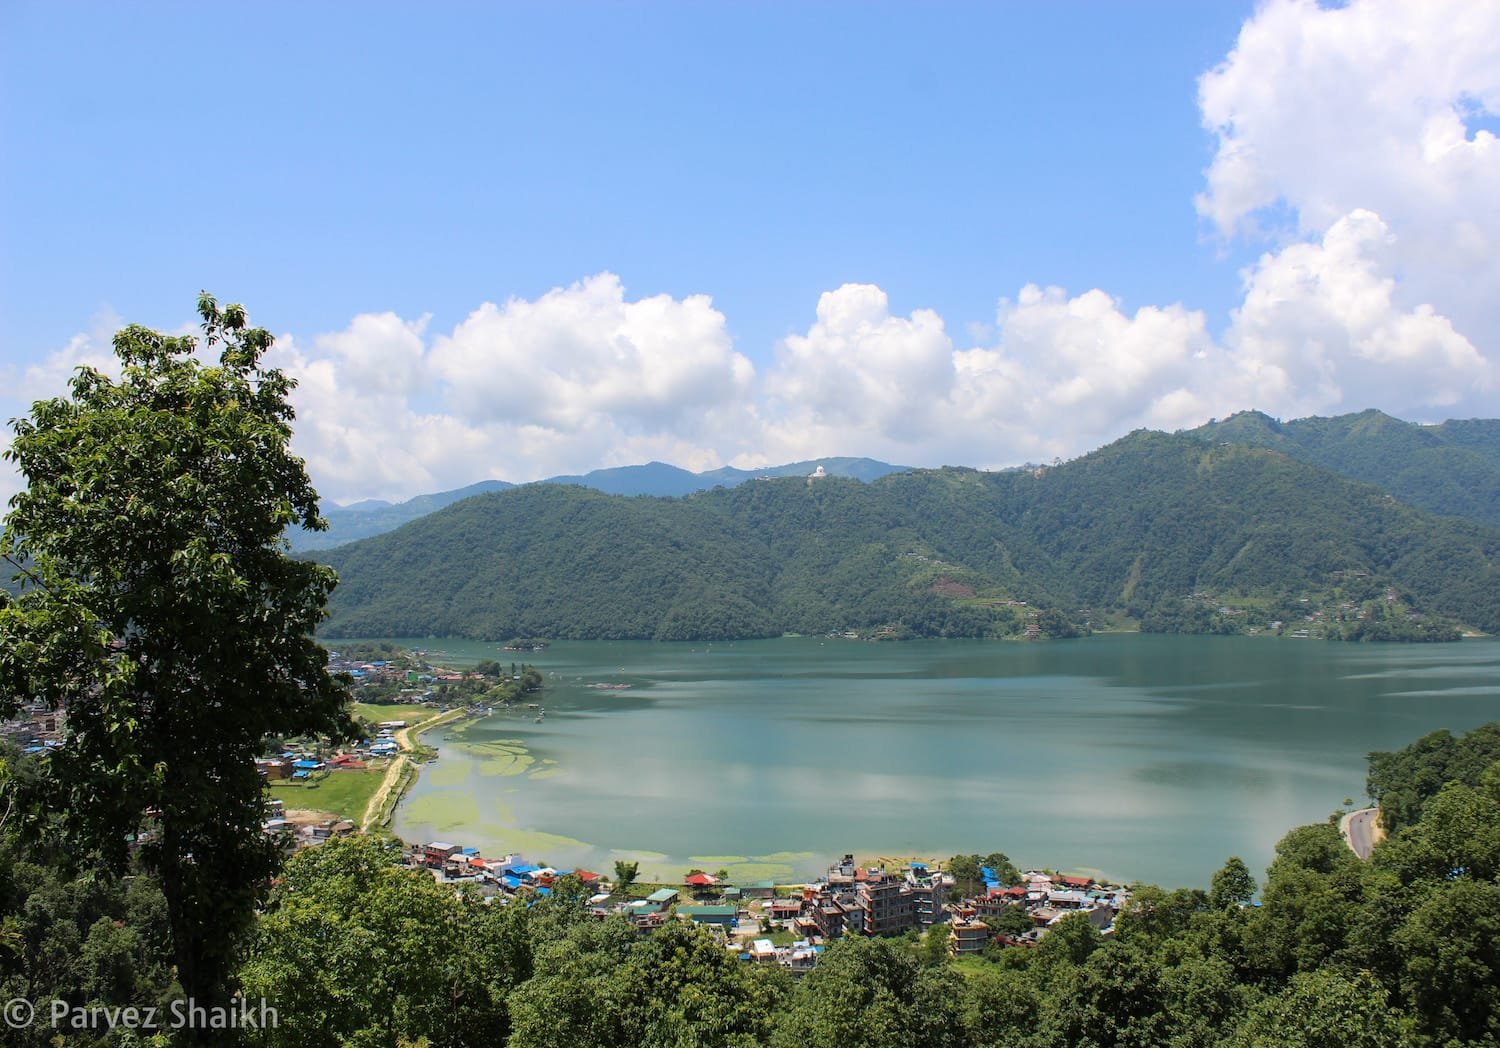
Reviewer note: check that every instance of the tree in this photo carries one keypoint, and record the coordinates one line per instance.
(626, 873)
(1005, 871)
(159, 607)
(1322, 1008)
(397, 955)
(964, 869)
(872, 992)
(1450, 947)
(1011, 920)
(1232, 885)
(1000, 1008)
(1070, 941)
(1115, 998)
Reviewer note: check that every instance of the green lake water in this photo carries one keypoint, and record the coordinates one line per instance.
(1142, 757)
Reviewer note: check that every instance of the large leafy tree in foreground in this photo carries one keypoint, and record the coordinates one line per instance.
(159, 608)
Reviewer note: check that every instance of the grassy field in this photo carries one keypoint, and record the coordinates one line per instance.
(409, 712)
(971, 966)
(341, 793)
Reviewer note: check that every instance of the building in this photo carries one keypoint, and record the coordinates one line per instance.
(273, 768)
(888, 906)
(785, 909)
(662, 898)
(723, 916)
(929, 895)
(436, 854)
(967, 936)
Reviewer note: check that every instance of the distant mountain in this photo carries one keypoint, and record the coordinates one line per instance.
(658, 478)
(360, 520)
(374, 517)
(1452, 468)
(653, 478)
(1172, 531)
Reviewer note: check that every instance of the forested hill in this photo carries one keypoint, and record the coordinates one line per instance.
(364, 519)
(1452, 468)
(1172, 531)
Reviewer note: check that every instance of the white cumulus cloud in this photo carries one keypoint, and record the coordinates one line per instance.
(861, 374)
(579, 378)
(1319, 330)
(1348, 147)
(583, 354)
(1320, 112)
(1064, 375)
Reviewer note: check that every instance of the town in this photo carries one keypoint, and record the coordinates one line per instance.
(790, 924)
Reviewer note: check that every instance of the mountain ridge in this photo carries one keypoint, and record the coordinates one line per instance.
(371, 517)
(1451, 468)
(1169, 531)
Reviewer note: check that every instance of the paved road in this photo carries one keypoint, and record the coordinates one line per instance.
(1358, 828)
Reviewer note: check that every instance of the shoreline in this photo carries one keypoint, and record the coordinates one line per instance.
(783, 868)
(496, 807)
(403, 773)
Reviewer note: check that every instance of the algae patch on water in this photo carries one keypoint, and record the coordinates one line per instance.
(743, 872)
(447, 773)
(443, 810)
(500, 756)
(534, 843)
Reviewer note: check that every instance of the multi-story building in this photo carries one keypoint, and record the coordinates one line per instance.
(929, 895)
(967, 936)
(888, 905)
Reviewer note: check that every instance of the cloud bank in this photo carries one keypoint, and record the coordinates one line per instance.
(1348, 148)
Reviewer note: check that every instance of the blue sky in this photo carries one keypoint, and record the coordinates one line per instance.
(753, 232)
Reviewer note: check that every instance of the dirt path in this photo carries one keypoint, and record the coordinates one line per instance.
(403, 737)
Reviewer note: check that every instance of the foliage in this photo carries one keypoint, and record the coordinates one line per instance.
(1232, 885)
(73, 931)
(1452, 469)
(968, 871)
(872, 992)
(1325, 1008)
(354, 949)
(1011, 920)
(1403, 950)
(162, 610)
(1403, 781)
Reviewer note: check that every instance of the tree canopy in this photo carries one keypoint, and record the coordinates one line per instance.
(159, 609)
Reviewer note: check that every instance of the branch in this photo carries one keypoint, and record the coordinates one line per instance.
(36, 580)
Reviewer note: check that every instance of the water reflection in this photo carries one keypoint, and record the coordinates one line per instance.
(1150, 757)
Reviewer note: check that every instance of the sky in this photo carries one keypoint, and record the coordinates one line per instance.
(517, 240)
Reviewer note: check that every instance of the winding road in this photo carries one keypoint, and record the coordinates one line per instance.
(1360, 830)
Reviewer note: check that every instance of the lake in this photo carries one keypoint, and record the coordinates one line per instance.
(1147, 758)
